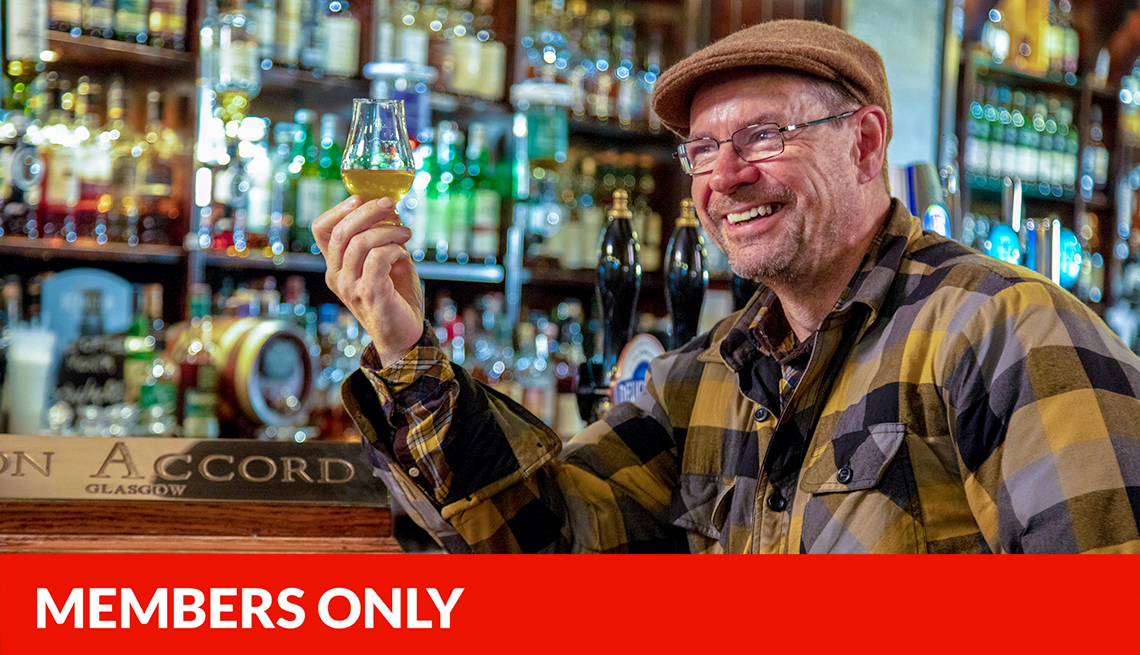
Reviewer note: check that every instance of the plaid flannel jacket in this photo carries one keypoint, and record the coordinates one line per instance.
(949, 403)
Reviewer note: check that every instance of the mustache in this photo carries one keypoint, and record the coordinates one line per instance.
(750, 196)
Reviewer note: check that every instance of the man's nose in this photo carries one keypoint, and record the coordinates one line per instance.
(731, 170)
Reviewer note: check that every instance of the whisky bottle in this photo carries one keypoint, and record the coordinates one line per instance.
(341, 40)
(306, 185)
(131, 21)
(618, 280)
(24, 38)
(99, 18)
(167, 23)
(57, 141)
(686, 275)
(197, 371)
(93, 166)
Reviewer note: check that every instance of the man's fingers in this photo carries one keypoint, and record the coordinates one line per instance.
(323, 225)
(357, 221)
(377, 237)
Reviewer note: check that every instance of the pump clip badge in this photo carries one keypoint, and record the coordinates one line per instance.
(632, 367)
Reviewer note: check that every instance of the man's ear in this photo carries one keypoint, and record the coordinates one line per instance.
(870, 147)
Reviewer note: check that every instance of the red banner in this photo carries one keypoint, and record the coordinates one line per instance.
(569, 604)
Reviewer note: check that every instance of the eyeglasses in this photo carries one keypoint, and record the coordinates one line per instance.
(753, 143)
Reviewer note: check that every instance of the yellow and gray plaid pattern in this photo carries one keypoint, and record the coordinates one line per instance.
(949, 403)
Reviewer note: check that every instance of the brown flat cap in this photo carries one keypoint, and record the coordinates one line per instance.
(810, 47)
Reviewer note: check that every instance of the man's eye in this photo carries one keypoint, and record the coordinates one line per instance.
(756, 137)
(702, 149)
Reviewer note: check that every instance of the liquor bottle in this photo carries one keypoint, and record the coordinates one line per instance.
(156, 192)
(197, 371)
(440, 24)
(263, 13)
(533, 371)
(91, 320)
(238, 78)
(231, 200)
(328, 160)
(686, 275)
(307, 187)
(591, 211)
(654, 58)
(442, 166)
(259, 169)
(23, 38)
(1069, 41)
(131, 21)
(1046, 128)
(996, 131)
(492, 54)
(99, 18)
(1027, 139)
(618, 280)
(20, 181)
(282, 204)
(56, 146)
(1060, 130)
(123, 219)
(1011, 125)
(140, 342)
(1094, 158)
(411, 43)
(579, 65)
(287, 35)
(647, 222)
(600, 86)
(65, 16)
(485, 199)
(625, 98)
(312, 36)
(977, 151)
(1071, 145)
(167, 23)
(341, 40)
(93, 166)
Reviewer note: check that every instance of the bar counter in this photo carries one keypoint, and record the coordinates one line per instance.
(94, 494)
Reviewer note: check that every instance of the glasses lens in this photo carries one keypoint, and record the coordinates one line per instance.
(757, 142)
(699, 154)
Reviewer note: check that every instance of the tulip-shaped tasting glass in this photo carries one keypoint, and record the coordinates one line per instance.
(377, 159)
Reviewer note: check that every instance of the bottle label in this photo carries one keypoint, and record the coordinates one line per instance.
(467, 51)
(99, 14)
(238, 65)
(309, 200)
(130, 16)
(492, 67)
(25, 24)
(413, 46)
(64, 11)
(61, 186)
(342, 46)
(134, 377)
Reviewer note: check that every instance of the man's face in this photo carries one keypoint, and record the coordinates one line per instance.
(785, 219)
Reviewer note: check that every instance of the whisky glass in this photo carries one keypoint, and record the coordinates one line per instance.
(377, 161)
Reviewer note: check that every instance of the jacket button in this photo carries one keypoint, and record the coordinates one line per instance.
(414, 472)
(761, 414)
(843, 475)
(776, 502)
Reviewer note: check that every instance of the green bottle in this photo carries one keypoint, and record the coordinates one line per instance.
(307, 186)
(328, 160)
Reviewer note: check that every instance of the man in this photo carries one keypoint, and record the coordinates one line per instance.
(886, 390)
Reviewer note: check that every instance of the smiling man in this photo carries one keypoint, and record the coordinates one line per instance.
(885, 390)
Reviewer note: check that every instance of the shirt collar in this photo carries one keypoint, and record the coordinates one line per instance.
(868, 286)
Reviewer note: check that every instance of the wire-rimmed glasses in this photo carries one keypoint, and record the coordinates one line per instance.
(752, 143)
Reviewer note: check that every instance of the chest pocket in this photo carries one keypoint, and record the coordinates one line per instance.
(859, 495)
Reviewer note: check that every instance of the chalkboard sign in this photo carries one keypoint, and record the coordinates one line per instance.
(91, 371)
